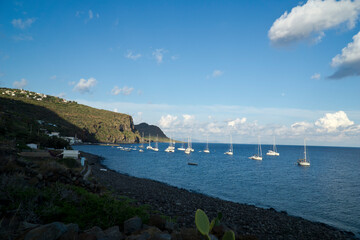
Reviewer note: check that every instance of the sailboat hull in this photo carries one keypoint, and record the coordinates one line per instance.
(256, 158)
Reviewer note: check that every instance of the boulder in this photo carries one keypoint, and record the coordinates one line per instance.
(162, 236)
(98, 232)
(113, 233)
(132, 225)
(157, 221)
(51, 231)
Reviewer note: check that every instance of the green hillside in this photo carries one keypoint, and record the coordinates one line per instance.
(26, 111)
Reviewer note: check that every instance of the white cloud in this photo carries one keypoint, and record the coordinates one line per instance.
(167, 121)
(313, 18)
(299, 128)
(188, 118)
(22, 24)
(348, 62)
(91, 15)
(132, 56)
(124, 91)
(53, 77)
(316, 76)
(236, 122)
(97, 15)
(20, 84)
(84, 86)
(217, 73)
(332, 122)
(159, 55)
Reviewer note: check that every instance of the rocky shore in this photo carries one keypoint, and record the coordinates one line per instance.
(180, 204)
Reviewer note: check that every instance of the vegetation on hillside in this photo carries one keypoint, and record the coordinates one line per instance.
(34, 111)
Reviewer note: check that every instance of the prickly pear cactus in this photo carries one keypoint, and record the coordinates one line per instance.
(202, 222)
(229, 235)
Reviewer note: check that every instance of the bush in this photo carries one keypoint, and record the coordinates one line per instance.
(69, 162)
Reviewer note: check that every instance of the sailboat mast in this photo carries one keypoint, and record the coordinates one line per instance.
(305, 150)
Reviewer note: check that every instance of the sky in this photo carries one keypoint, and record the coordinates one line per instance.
(249, 69)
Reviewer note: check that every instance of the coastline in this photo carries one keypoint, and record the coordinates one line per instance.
(181, 204)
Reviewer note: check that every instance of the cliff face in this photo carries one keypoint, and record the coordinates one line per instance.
(50, 113)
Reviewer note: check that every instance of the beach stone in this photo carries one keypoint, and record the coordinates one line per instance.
(157, 221)
(51, 231)
(143, 236)
(87, 236)
(190, 234)
(162, 236)
(98, 232)
(132, 225)
(113, 233)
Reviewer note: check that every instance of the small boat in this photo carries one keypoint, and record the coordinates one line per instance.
(231, 150)
(171, 147)
(142, 141)
(156, 148)
(192, 164)
(274, 151)
(303, 161)
(188, 150)
(257, 156)
(206, 150)
(182, 147)
(141, 150)
(149, 147)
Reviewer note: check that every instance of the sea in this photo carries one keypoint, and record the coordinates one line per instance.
(328, 191)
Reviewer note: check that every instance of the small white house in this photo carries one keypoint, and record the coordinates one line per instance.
(71, 154)
(32, 145)
(56, 134)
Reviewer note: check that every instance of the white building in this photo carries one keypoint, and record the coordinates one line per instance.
(32, 145)
(71, 154)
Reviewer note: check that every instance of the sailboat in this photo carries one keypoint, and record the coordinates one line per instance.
(182, 148)
(171, 147)
(142, 143)
(231, 150)
(149, 147)
(156, 148)
(206, 150)
(188, 149)
(273, 152)
(303, 162)
(257, 156)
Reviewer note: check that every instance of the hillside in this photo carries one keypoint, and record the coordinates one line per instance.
(146, 129)
(24, 111)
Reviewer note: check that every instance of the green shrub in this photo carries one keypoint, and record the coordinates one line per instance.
(69, 162)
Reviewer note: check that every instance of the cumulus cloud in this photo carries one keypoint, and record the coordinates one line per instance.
(217, 73)
(91, 15)
(312, 18)
(348, 62)
(124, 91)
(22, 24)
(158, 54)
(20, 84)
(167, 121)
(132, 56)
(84, 86)
(236, 122)
(188, 118)
(316, 76)
(332, 122)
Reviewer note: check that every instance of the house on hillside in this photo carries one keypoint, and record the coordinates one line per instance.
(54, 134)
(32, 145)
(71, 154)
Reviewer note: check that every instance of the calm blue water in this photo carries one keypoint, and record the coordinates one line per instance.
(328, 191)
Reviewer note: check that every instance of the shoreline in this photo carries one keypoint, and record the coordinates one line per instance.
(181, 204)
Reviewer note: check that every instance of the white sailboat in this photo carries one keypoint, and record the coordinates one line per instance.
(274, 151)
(182, 148)
(149, 147)
(206, 150)
(257, 156)
(303, 161)
(231, 150)
(188, 149)
(171, 147)
(156, 148)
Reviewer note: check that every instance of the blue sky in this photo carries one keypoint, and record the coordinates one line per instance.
(198, 68)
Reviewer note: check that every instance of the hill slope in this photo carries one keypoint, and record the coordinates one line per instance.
(152, 130)
(39, 111)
